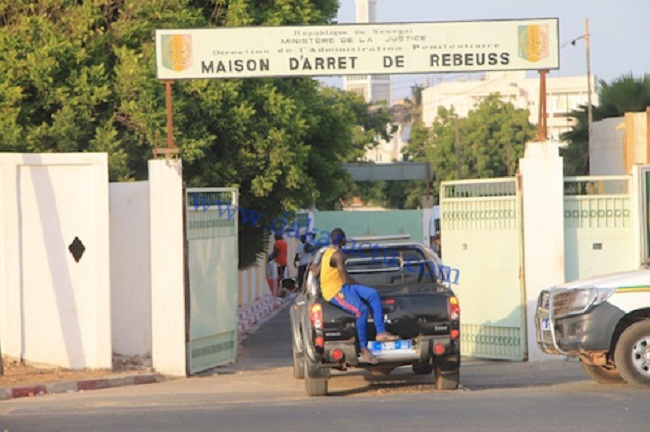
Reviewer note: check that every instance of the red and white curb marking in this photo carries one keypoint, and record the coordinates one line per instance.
(250, 315)
(75, 386)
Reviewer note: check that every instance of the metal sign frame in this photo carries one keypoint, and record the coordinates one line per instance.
(358, 49)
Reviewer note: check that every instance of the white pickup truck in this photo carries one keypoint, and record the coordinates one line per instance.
(604, 321)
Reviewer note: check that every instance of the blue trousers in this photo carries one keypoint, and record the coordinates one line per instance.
(355, 299)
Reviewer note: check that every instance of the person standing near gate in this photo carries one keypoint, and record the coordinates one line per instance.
(279, 254)
(436, 244)
(303, 257)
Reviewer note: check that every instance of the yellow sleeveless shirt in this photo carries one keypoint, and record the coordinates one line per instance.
(331, 281)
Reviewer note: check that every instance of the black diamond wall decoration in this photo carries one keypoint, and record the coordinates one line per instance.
(77, 249)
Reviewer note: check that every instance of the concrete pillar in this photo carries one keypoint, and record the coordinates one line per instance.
(638, 210)
(543, 226)
(167, 267)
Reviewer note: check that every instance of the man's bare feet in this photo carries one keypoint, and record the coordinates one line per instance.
(366, 356)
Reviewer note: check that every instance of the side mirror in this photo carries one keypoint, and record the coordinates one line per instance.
(289, 284)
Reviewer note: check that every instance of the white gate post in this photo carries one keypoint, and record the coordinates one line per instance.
(167, 267)
(543, 226)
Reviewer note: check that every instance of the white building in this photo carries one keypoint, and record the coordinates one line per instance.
(373, 88)
(564, 94)
(390, 151)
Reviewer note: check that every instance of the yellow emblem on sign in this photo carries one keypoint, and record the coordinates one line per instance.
(533, 42)
(177, 52)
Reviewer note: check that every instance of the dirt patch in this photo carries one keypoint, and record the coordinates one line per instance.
(20, 374)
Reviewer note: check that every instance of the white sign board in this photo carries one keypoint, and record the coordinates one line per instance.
(239, 52)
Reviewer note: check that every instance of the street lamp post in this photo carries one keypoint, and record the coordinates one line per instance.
(586, 37)
(459, 167)
(589, 113)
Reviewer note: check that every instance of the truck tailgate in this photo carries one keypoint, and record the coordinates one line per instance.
(406, 315)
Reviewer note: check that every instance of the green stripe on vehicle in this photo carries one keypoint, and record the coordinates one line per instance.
(628, 289)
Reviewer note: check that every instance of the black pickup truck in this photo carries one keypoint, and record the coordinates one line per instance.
(418, 306)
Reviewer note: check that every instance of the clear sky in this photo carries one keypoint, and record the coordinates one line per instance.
(619, 30)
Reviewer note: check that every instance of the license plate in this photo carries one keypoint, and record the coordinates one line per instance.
(546, 324)
(390, 346)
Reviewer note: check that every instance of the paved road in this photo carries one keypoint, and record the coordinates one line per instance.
(259, 393)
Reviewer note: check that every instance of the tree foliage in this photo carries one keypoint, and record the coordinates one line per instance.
(623, 94)
(80, 76)
(491, 142)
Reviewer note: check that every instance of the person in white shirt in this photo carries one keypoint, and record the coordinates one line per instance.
(304, 253)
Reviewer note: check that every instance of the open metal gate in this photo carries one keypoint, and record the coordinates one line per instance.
(481, 230)
(598, 226)
(211, 277)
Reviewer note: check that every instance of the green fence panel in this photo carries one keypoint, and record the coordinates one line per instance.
(211, 237)
(598, 226)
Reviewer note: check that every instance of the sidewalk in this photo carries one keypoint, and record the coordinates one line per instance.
(32, 381)
(263, 346)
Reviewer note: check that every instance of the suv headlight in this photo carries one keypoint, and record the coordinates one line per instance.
(579, 300)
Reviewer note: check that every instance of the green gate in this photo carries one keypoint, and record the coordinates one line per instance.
(598, 226)
(211, 275)
(481, 230)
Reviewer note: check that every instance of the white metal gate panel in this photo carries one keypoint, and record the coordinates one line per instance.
(598, 226)
(481, 229)
(212, 259)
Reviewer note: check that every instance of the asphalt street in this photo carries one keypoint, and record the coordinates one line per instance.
(259, 393)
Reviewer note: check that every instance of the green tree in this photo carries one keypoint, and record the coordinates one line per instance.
(492, 140)
(623, 94)
(80, 76)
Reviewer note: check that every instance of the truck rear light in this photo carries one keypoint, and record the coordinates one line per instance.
(454, 308)
(337, 354)
(438, 349)
(455, 334)
(319, 341)
(389, 301)
(316, 316)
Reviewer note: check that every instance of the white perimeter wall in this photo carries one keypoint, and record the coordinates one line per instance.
(55, 309)
(130, 238)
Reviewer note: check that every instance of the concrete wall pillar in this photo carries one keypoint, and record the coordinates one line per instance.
(167, 267)
(543, 226)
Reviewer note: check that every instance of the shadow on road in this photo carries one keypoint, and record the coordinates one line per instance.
(270, 348)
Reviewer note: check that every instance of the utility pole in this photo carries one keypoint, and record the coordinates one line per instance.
(458, 162)
(589, 112)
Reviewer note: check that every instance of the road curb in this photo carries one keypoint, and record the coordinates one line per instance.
(77, 386)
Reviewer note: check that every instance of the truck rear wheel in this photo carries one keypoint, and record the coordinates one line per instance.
(602, 374)
(447, 380)
(314, 385)
(632, 355)
(316, 377)
(298, 363)
(446, 371)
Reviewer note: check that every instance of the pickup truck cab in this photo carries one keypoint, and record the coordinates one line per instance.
(604, 322)
(418, 307)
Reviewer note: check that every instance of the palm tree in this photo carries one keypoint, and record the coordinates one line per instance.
(624, 94)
